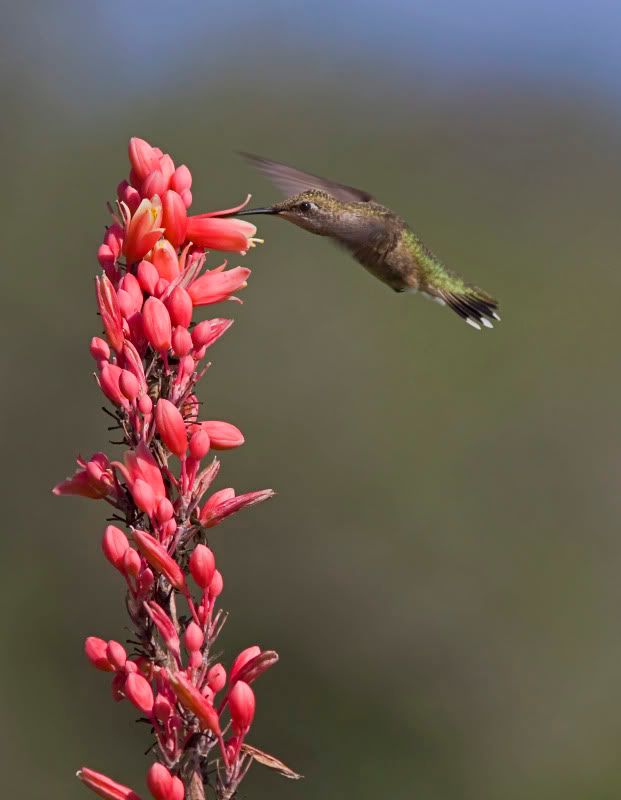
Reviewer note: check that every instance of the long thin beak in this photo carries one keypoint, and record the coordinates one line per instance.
(250, 211)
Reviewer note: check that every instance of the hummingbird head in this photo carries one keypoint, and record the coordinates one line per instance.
(313, 210)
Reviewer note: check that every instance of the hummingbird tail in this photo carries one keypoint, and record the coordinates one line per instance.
(473, 305)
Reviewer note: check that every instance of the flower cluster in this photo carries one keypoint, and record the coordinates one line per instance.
(148, 362)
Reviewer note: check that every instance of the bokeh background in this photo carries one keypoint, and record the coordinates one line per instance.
(440, 570)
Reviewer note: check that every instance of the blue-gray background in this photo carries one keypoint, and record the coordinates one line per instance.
(440, 570)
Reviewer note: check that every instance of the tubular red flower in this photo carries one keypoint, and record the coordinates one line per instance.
(214, 287)
(192, 700)
(143, 229)
(219, 507)
(159, 559)
(110, 312)
(171, 427)
(160, 782)
(94, 480)
(209, 331)
(105, 787)
(211, 233)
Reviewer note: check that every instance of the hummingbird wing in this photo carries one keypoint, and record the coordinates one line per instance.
(293, 181)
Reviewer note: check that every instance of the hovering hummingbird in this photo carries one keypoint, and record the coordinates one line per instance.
(376, 237)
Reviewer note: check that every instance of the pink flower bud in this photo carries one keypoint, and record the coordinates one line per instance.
(181, 341)
(144, 496)
(105, 787)
(171, 427)
(193, 637)
(129, 385)
(214, 287)
(195, 659)
(165, 260)
(165, 626)
(216, 678)
(154, 184)
(114, 546)
(148, 276)
(138, 691)
(191, 699)
(158, 558)
(256, 666)
(174, 218)
(202, 566)
(146, 580)
(242, 659)
(159, 781)
(241, 706)
(110, 313)
(223, 435)
(221, 505)
(96, 651)
(179, 305)
(116, 654)
(177, 790)
(181, 179)
(145, 404)
(99, 349)
(131, 562)
(142, 157)
(167, 166)
(165, 510)
(217, 584)
(157, 327)
(128, 195)
(129, 283)
(199, 444)
(109, 378)
(162, 708)
(186, 366)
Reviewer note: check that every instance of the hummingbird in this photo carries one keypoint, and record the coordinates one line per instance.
(374, 235)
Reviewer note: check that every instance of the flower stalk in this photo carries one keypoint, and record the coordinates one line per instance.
(148, 361)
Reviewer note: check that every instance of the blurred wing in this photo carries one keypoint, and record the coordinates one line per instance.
(293, 181)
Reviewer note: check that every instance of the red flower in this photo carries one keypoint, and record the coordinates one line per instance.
(214, 286)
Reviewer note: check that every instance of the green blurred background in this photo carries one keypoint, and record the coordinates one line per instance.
(440, 569)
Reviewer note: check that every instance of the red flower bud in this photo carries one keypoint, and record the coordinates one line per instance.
(116, 654)
(193, 637)
(171, 427)
(174, 218)
(209, 331)
(96, 651)
(131, 563)
(144, 497)
(142, 157)
(222, 435)
(154, 184)
(241, 706)
(165, 626)
(99, 349)
(138, 691)
(162, 708)
(202, 566)
(109, 378)
(165, 510)
(179, 305)
(148, 277)
(199, 445)
(157, 326)
(217, 584)
(216, 678)
(181, 179)
(114, 546)
(181, 341)
(129, 385)
(160, 782)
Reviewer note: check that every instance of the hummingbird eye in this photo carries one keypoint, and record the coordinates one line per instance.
(305, 206)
